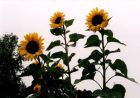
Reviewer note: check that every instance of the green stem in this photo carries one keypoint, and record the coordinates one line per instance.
(67, 61)
(103, 65)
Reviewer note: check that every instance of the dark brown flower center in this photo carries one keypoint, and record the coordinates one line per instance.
(32, 47)
(58, 20)
(97, 19)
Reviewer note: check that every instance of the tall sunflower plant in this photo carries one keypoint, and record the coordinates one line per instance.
(66, 39)
(51, 72)
(98, 62)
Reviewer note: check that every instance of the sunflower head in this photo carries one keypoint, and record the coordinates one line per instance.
(37, 88)
(59, 66)
(31, 47)
(97, 20)
(57, 20)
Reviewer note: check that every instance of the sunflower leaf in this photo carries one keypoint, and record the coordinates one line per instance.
(118, 91)
(97, 93)
(95, 55)
(131, 79)
(68, 22)
(75, 37)
(107, 32)
(57, 31)
(45, 58)
(93, 40)
(88, 72)
(54, 44)
(57, 55)
(112, 39)
(83, 63)
(120, 65)
(71, 56)
(34, 70)
(77, 81)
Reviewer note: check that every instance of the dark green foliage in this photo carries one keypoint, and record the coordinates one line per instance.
(93, 40)
(75, 37)
(112, 39)
(54, 44)
(88, 72)
(83, 94)
(10, 65)
(118, 91)
(33, 69)
(45, 58)
(107, 32)
(68, 22)
(83, 63)
(71, 56)
(95, 55)
(57, 31)
(57, 54)
(119, 65)
(99, 57)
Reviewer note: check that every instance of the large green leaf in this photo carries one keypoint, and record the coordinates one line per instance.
(57, 54)
(102, 93)
(88, 72)
(45, 58)
(68, 22)
(54, 44)
(75, 37)
(107, 32)
(57, 31)
(112, 39)
(33, 69)
(71, 56)
(107, 52)
(93, 40)
(120, 65)
(65, 59)
(36, 70)
(131, 79)
(97, 93)
(95, 55)
(83, 63)
(118, 91)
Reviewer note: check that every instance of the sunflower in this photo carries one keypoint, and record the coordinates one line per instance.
(57, 20)
(59, 66)
(31, 47)
(37, 88)
(97, 19)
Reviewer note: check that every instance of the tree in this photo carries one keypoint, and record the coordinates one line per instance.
(10, 65)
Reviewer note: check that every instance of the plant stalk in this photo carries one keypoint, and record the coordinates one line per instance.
(103, 64)
(67, 61)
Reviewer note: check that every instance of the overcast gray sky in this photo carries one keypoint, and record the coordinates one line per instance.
(24, 16)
